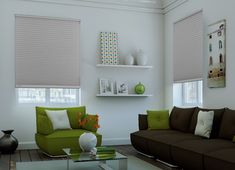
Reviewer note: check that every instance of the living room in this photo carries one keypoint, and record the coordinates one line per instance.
(140, 25)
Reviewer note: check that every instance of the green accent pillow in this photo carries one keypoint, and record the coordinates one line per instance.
(233, 139)
(158, 119)
(89, 122)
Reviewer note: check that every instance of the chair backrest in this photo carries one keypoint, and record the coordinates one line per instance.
(44, 125)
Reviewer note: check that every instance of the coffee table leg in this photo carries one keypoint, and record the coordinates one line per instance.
(67, 163)
(123, 164)
(104, 166)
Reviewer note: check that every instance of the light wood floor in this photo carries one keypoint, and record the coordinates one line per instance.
(7, 161)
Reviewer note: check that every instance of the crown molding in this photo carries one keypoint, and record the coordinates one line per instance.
(145, 6)
(168, 5)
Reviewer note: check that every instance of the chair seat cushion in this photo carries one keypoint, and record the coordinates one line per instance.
(53, 143)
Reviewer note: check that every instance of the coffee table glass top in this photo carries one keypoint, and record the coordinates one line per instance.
(78, 156)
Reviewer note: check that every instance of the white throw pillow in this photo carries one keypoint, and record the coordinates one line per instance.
(204, 123)
(59, 119)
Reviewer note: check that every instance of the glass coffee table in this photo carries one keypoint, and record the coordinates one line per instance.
(77, 156)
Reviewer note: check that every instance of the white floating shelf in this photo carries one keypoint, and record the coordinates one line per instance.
(124, 95)
(124, 66)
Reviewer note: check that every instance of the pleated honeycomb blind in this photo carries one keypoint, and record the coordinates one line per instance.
(188, 48)
(46, 52)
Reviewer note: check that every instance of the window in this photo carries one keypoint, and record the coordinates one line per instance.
(48, 96)
(47, 60)
(188, 93)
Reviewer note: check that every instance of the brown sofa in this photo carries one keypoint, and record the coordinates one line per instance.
(179, 146)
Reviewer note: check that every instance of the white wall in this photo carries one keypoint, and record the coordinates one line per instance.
(118, 116)
(213, 10)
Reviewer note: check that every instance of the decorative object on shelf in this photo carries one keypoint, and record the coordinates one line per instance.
(123, 66)
(141, 58)
(109, 48)
(106, 86)
(139, 88)
(129, 60)
(216, 54)
(8, 143)
(121, 88)
(87, 141)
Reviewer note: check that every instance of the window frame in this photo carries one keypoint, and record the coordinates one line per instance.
(179, 95)
(198, 94)
(47, 99)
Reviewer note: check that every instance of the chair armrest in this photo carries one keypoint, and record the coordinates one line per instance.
(143, 122)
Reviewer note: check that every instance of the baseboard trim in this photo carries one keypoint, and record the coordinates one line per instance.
(105, 141)
(27, 145)
(116, 141)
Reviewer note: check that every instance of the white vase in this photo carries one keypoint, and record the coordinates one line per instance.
(129, 60)
(141, 58)
(87, 141)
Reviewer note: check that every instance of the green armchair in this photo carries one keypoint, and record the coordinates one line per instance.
(50, 141)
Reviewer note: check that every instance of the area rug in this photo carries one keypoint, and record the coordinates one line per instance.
(133, 164)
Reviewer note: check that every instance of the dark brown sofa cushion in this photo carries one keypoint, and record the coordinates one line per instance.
(140, 139)
(218, 113)
(160, 145)
(220, 159)
(189, 153)
(227, 128)
(180, 118)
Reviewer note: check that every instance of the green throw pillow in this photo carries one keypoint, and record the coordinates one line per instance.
(158, 119)
(89, 122)
(233, 139)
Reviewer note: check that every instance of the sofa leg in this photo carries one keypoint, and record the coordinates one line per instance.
(149, 156)
(167, 164)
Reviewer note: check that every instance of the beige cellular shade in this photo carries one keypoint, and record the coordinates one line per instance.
(46, 52)
(188, 48)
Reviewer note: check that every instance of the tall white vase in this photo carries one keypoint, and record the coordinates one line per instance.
(141, 58)
(129, 60)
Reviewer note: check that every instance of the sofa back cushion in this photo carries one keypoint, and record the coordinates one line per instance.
(227, 128)
(180, 118)
(143, 122)
(218, 113)
(43, 121)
